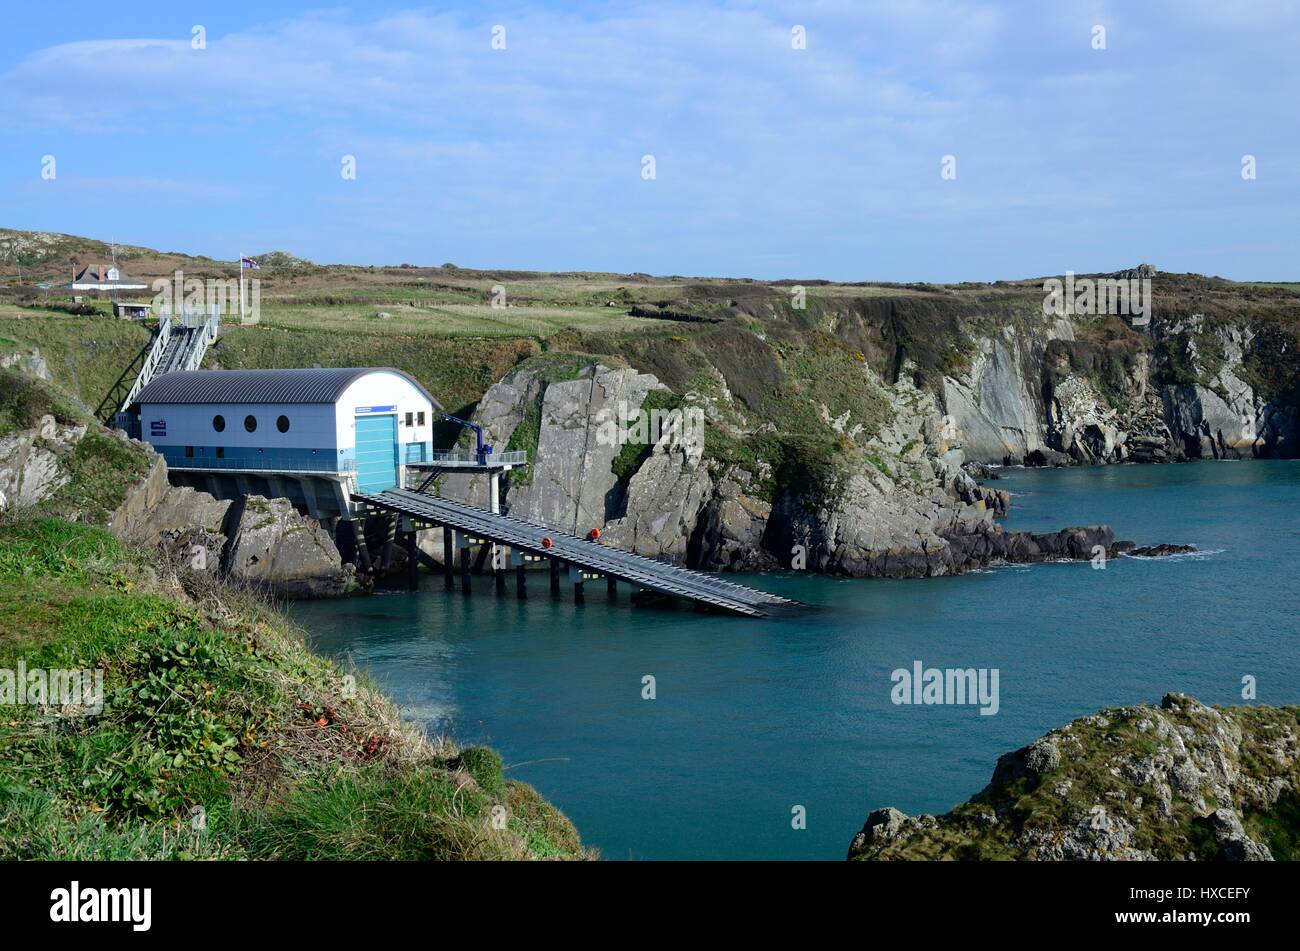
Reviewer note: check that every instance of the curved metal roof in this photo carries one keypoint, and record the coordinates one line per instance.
(313, 385)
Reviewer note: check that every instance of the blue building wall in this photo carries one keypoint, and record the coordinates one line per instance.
(250, 457)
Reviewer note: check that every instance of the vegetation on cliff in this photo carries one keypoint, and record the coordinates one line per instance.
(1177, 781)
(221, 735)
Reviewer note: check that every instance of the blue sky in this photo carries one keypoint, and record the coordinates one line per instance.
(769, 161)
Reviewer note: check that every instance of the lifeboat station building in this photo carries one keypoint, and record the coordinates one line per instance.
(314, 436)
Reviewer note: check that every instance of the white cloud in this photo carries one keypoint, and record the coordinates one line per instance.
(754, 140)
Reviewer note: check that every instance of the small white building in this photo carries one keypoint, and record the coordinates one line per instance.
(314, 436)
(102, 277)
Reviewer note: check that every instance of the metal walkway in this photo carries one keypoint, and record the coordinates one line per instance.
(635, 570)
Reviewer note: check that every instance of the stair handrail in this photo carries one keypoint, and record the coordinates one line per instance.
(150, 362)
(203, 338)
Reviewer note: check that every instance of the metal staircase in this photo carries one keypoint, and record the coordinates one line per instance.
(177, 345)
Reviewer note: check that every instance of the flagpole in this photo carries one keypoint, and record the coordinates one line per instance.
(241, 287)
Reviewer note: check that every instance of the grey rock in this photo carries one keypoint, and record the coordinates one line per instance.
(1232, 838)
(275, 549)
(29, 361)
(31, 470)
(1180, 766)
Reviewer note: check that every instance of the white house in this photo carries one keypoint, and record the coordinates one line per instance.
(102, 277)
(311, 435)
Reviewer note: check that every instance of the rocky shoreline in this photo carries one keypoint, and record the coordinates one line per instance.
(1181, 781)
(671, 507)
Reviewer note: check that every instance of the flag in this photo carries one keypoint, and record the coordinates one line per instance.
(250, 264)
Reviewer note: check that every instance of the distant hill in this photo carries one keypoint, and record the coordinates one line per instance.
(51, 256)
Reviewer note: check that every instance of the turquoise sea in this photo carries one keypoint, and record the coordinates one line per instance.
(752, 719)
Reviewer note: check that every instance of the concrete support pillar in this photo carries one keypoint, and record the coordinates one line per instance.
(555, 576)
(363, 549)
(521, 574)
(575, 578)
(448, 557)
(611, 586)
(499, 566)
(412, 562)
(463, 545)
(494, 492)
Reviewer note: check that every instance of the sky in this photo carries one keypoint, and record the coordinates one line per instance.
(926, 140)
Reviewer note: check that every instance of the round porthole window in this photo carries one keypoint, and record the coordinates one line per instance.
(282, 424)
(219, 423)
(250, 423)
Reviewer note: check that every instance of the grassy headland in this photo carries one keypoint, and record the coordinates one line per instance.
(221, 735)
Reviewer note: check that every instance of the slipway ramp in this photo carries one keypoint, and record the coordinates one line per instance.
(587, 555)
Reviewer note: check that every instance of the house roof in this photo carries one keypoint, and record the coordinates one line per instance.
(97, 274)
(318, 385)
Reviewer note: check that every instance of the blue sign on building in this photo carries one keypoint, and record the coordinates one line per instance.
(375, 409)
(157, 427)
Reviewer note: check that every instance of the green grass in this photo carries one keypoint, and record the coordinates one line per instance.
(24, 400)
(86, 355)
(217, 704)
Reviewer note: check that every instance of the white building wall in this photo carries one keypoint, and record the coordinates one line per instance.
(377, 391)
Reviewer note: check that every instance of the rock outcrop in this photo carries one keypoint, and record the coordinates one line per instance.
(31, 466)
(1038, 393)
(275, 548)
(997, 406)
(29, 361)
(189, 526)
(1178, 781)
(263, 544)
(911, 511)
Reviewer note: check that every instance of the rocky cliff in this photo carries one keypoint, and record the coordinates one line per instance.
(1086, 390)
(55, 460)
(840, 434)
(902, 505)
(1177, 781)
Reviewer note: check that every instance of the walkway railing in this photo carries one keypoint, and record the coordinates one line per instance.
(151, 362)
(513, 457)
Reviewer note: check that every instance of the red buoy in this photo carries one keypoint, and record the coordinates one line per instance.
(546, 542)
(594, 534)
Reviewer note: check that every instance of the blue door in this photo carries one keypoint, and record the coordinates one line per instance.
(376, 452)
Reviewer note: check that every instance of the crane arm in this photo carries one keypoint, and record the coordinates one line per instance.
(481, 448)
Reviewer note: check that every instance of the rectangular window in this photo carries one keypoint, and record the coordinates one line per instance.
(410, 419)
(421, 415)
(189, 452)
